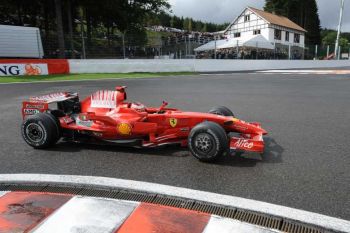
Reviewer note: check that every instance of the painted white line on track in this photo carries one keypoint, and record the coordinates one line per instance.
(2, 193)
(224, 225)
(320, 220)
(305, 72)
(87, 214)
(226, 74)
(218, 74)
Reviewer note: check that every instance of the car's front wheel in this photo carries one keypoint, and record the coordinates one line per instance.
(208, 141)
(40, 130)
(222, 111)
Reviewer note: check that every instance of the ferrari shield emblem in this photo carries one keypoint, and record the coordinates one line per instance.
(173, 122)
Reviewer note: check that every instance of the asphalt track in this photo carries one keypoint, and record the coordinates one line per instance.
(306, 164)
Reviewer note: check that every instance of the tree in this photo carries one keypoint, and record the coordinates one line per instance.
(172, 22)
(198, 26)
(205, 28)
(70, 27)
(185, 24)
(60, 33)
(344, 43)
(302, 12)
(276, 6)
(329, 38)
(190, 24)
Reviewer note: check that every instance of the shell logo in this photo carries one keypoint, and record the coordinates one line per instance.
(235, 119)
(124, 129)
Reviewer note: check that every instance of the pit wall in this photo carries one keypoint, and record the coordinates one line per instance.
(17, 67)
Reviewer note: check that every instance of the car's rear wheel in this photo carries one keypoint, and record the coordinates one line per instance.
(222, 111)
(40, 130)
(207, 141)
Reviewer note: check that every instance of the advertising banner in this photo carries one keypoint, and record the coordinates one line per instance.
(12, 69)
(17, 67)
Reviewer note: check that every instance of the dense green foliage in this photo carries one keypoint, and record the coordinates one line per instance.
(63, 22)
(187, 24)
(106, 21)
(329, 37)
(302, 12)
(65, 17)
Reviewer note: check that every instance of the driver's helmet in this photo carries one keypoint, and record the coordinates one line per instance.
(138, 107)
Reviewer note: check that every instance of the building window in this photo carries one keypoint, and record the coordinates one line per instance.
(296, 38)
(287, 36)
(246, 18)
(237, 34)
(277, 34)
(257, 32)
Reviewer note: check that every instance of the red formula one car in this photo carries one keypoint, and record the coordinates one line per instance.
(106, 117)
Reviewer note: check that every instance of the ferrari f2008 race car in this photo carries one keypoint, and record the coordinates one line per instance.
(106, 117)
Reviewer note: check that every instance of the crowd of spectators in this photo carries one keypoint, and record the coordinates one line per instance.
(177, 36)
(246, 53)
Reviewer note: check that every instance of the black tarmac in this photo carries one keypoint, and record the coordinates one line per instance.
(306, 164)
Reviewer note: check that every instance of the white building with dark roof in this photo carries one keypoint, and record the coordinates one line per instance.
(260, 30)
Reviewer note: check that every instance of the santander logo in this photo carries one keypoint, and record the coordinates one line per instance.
(244, 143)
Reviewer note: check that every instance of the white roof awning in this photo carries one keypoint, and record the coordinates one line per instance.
(254, 41)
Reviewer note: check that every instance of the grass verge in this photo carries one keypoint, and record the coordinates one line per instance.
(76, 77)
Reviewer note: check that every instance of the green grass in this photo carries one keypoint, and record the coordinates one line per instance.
(72, 77)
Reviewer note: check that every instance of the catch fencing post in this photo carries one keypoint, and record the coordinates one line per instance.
(327, 50)
(316, 48)
(82, 41)
(289, 52)
(189, 44)
(123, 40)
(215, 46)
(38, 43)
(185, 45)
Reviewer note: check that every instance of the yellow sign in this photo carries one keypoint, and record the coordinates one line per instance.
(124, 129)
(173, 122)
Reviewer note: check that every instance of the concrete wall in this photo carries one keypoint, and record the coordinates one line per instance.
(128, 66)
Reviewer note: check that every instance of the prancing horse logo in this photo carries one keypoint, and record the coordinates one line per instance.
(173, 122)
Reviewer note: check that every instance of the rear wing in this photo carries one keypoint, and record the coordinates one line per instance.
(41, 103)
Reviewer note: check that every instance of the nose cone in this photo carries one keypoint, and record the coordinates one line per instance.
(264, 132)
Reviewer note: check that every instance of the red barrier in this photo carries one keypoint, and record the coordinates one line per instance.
(33, 66)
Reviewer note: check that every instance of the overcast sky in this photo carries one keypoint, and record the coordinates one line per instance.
(221, 11)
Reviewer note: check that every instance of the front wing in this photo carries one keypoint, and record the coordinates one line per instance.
(248, 142)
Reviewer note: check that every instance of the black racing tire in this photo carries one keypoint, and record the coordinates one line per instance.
(54, 118)
(222, 111)
(40, 130)
(207, 141)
